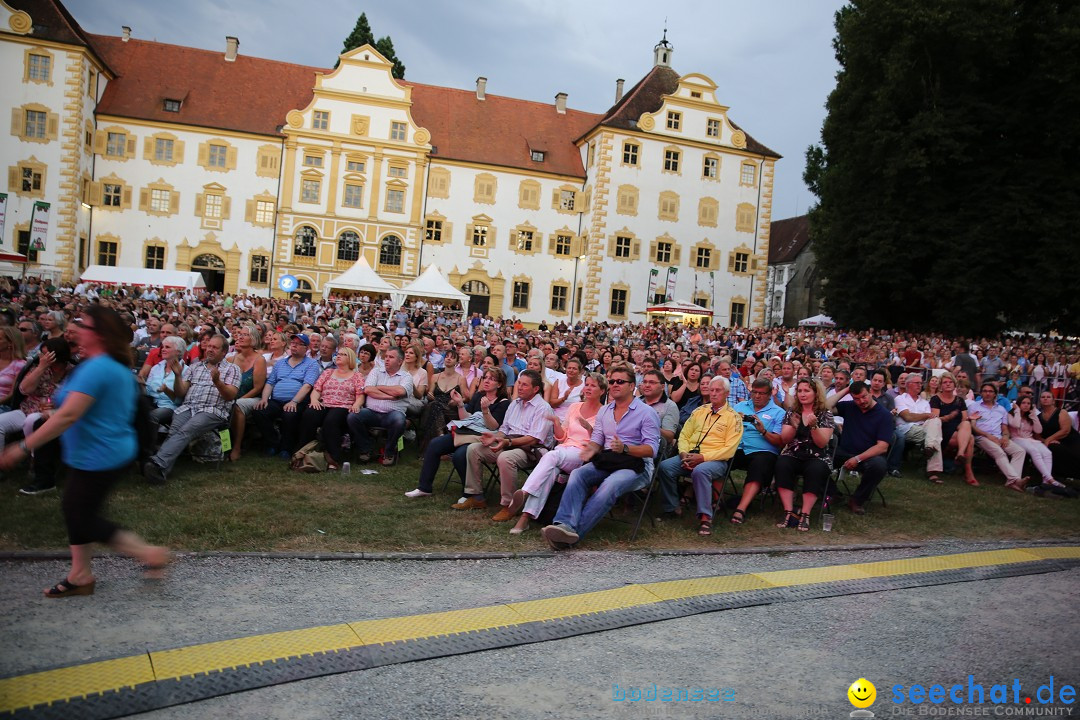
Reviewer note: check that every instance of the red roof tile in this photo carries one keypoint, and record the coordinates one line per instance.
(787, 238)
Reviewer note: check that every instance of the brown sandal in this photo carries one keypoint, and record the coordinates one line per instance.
(791, 520)
(705, 527)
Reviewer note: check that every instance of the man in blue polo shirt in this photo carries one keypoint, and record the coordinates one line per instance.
(760, 445)
(864, 442)
(285, 396)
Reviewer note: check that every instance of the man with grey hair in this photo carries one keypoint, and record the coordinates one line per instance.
(208, 387)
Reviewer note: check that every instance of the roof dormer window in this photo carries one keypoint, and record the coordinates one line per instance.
(172, 105)
(538, 155)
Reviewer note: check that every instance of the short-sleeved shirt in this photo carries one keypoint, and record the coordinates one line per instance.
(772, 418)
(862, 430)
(918, 405)
(990, 418)
(668, 413)
(802, 446)
(380, 377)
(202, 394)
(161, 375)
(104, 437)
(335, 392)
(288, 379)
(639, 426)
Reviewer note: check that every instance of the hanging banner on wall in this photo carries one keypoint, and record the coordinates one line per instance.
(3, 216)
(39, 226)
(653, 274)
(671, 284)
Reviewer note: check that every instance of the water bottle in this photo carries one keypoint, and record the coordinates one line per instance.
(346, 468)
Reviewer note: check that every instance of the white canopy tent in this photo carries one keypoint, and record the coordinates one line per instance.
(817, 321)
(361, 278)
(432, 284)
(108, 275)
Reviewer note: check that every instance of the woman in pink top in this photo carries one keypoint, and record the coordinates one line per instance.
(566, 457)
(1024, 425)
(337, 392)
(12, 360)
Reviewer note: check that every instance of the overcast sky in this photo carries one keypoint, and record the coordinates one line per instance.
(772, 59)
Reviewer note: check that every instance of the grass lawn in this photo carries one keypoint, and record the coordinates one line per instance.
(259, 505)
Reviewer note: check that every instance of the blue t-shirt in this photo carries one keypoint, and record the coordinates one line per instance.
(863, 429)
(772, 418)
(104, 437)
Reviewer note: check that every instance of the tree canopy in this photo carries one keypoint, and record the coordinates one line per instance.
(948, 176)
(362, 35)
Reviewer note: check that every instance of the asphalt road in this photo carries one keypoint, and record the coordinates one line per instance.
(791, 660)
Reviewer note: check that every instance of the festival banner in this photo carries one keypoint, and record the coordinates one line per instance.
(652, 284)
(671, 284)
(3, 216)
(39, 227)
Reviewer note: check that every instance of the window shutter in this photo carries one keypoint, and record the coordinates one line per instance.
(13, 178)
(579, 198)
(635, 251)
(52, 126)
(552, 241)
(130, 153)
(555, 198)
(125, 201)
(714, 259)
(199, 205)
(144, 199)
(576, 247)
(100, 139)
(148, 148)
(204, 154)
(96, 191)
(17, 117)
(174, 202)
(249, 211)
(754, 263)
(226, 207)
(676, 254)
(731, 262)
(178, 151)
(230, 158)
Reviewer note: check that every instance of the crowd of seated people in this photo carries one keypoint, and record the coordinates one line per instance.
(785, 406)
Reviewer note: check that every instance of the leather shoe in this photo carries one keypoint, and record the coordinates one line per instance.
(855, 507)
(503, 515)
(471, 503)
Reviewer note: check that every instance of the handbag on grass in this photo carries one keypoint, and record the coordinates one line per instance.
(610, 461)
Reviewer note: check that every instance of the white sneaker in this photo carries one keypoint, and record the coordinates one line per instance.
(417, 493)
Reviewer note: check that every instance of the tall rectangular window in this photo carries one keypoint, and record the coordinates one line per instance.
(163, 149)
(663, 252)
(674, 120)
(630, 153)
(40, 68)
(520, 299)
(703, 259)
(309, 190)
(354, 196)
(711, 168)
(260, 269)
(618, 302)
(212, 206)
(116, 144)
(433, 231)
(106, 253)
(155, 257)
(525, 240)
(748, 176)
(395, 200)
(712, 127)
(562, 245)
(671, 160)
(35, 124)
(738, 314)
(30, 180)
(566, 199)
(398, 131)
(160, 200)
(111, 194)
(480, 235)
(559, 294)
(320, 120)
(218, 156)
(264, 212)
(741, 262)
(622, 246)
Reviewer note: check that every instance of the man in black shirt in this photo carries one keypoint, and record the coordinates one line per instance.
(868, 429)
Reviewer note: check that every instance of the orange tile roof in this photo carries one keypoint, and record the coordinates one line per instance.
(787, 238)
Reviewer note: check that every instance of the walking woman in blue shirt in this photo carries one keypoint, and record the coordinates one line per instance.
(95, 420)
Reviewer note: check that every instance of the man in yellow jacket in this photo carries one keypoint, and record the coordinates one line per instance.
(706, 445)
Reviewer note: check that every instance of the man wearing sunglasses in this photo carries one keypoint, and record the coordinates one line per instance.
(625, 426)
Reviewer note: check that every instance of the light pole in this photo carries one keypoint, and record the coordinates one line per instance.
(574, 290)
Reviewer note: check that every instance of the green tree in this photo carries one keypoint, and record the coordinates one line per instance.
(948, 177)
(362, 35)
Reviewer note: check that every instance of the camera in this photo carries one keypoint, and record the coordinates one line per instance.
(749, 418)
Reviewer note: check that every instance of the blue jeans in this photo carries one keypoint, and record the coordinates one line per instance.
(359, 424)
(580, 511)
(702, 476)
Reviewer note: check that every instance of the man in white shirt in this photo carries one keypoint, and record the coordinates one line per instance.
(991, 430)
(385, 392)
(912, 410)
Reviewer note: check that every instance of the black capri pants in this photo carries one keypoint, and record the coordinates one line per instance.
(85, 494)
(759, 466)
(815, 473)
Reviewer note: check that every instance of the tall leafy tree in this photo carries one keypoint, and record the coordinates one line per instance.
(948, 176)
(362, 35)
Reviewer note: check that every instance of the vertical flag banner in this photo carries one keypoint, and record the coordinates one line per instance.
(39, 226)
(3, 216)
(652, 284)
(671, 284)
(712, 288)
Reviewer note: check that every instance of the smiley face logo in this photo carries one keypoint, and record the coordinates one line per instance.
(862, 693)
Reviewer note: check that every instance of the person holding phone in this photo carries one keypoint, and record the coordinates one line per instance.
(760, 446)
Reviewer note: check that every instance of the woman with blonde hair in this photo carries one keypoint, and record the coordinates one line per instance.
(277, 346)
(253, 374)
(949, 426)
(337, 392)
(807, 430)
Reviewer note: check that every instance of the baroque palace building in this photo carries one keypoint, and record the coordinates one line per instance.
(245, 169)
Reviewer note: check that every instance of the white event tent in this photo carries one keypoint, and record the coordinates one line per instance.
(108, 275)
(361, 278)
(432, 284)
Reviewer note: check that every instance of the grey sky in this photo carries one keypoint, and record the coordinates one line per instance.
(772, 59)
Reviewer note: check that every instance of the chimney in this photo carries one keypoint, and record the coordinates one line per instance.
(619, 89)
(126, 33)
(560, 103)
(232, 44)
(481, 87)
